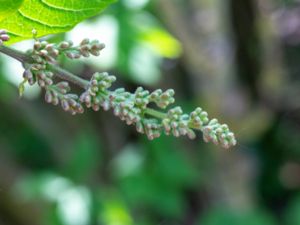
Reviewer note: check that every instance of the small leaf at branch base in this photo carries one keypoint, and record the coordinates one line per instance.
(22, 88)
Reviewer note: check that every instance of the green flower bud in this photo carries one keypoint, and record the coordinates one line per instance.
(85, 41)
(65, 105)
(48, 97)
(64, 45)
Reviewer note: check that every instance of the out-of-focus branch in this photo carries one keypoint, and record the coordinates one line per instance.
(178, 22)
(207, 50)
(244, 18)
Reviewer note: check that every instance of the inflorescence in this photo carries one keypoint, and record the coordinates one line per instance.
(133, 108)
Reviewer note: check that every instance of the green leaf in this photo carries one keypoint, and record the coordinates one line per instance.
(49, 17)
(8, 7)
(227, 216)
(22, 87)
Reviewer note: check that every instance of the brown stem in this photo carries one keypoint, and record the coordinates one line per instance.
(18, 55)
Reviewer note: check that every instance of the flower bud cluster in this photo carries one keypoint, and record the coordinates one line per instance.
(94, 96)
(126, 110)
(50, 52)
(85, 49)
(141, 98)
(97, 95)
(163, 99)
(160, 98)
(177, 123)
(151, 127)
(219, 134)
(198, 118)
(132, 107)
(44, 52)
(129, 107)
(58, 93)
(3, 36)
(38, 73)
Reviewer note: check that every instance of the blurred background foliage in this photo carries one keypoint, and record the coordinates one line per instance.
(237, 59)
